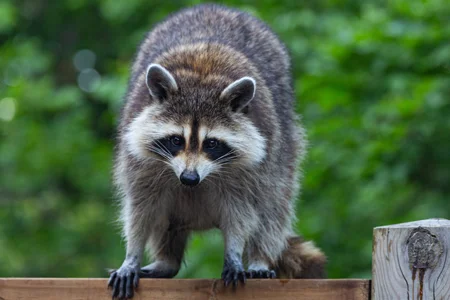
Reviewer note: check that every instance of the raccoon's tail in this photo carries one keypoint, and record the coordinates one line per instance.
(301, 259)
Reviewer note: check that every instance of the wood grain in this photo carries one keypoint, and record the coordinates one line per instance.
(412, 261)
(178, 289)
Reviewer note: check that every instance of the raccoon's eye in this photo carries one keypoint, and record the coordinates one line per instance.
(176, 140)
(211, 143)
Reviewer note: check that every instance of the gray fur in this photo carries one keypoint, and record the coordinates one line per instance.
(206, 48)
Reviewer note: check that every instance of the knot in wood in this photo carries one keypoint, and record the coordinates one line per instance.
(424, 249)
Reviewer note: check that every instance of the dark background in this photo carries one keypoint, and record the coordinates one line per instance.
(372, 81)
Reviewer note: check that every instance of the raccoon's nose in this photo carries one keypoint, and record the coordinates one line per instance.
(189, 178)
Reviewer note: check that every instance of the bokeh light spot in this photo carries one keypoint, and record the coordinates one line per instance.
(7, 109)
(89, 80)
(84, 59)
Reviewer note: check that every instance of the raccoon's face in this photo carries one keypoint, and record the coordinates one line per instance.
(196, 129)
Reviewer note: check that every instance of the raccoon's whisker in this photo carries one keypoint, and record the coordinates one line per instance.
(156, 150)
(225, 155)
(157, 147)
(208, 179)
(159, 160)
(227, 158)
(159, 175)
(160, 151)
(218, 175)
(224, 163)
(223, 171)
(241, 166)
(165, 149)
(172, 175)
(166, 177)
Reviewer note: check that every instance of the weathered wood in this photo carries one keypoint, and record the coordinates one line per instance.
(172, 289)
(412, 261)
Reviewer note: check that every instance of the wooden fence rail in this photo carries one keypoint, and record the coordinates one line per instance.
(410, 261)
(178, 289)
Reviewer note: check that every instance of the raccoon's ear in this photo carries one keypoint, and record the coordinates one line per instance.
(240, 93)
(160, 82)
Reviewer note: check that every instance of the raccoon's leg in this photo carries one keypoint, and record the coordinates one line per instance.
(259, 264)
(264, 248)
(239, 219)
(168, 250)
(136, 230)
(233, 268)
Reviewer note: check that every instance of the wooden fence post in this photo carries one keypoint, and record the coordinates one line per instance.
(412, 261)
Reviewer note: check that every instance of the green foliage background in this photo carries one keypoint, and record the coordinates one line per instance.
(373, 87)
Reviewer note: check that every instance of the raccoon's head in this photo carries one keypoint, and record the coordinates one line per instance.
(197, 125)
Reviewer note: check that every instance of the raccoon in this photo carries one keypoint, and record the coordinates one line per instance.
(208, 138)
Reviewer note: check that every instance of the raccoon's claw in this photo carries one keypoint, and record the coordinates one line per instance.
(233, 275)
(123, 282)
(261, 274)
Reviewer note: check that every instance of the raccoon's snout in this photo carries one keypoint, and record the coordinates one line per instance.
(190, 178)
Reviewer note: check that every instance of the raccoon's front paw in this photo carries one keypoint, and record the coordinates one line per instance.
(123, 281)
(262, 273)
(233, 273)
